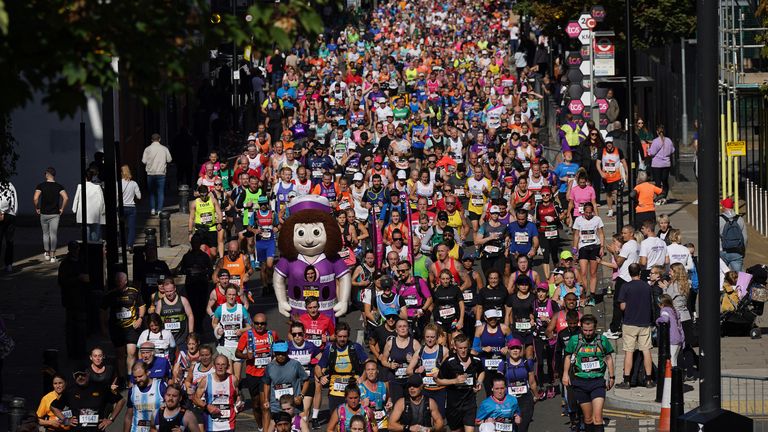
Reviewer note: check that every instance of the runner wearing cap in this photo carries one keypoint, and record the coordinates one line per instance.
(549, 217)
(283, 376)
(612, 167)
(520, 377)
(589, 240)
(284, 422)
(490, 239)
(463, 375)
(587, 358)
(416, 409)
(158, 367)
(545, 310)
(84, 405)
(489, 345)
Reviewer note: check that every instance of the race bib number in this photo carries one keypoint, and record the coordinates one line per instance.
(88, 419)
(317, 173)
(491, 249)
(589, 366)
(460, 192)
(311, 293)
(526, 164)
(344, 253)
(142, 426)
(344, 205)
(610, 167)
(447, 312)
(235, 280)
(518, 390)
(492, 364)
(410, 301)
(206, 218)
(504, 427)
(230, 333)
(542, 314)
(537, 197)
(588, 236)
(468, 296)
(523, 325)
(581, 208)
(470, 381)
(261, 361)
(224, 416)
(429, 381)
(550, 232)
(175, 325)
(401, 372)
(266, 234)
(475, 201)
(123, 314)
(521, 237)
(280, 391)
(378, 415)
(340, 384)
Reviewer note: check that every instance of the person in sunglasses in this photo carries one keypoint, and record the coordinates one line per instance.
(255, 348)
(307, 354)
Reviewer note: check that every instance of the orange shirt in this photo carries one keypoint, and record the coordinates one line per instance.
(646, 192)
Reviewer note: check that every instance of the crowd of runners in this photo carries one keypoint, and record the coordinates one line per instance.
(475, 249)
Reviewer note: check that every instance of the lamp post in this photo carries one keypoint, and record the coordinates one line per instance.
(630, 109)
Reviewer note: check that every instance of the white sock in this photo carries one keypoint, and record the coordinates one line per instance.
(315, 413)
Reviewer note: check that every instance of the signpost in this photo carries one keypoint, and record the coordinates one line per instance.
(573, 29)
(575, 106)
(736, 148)
(604, 54)
(602, 105)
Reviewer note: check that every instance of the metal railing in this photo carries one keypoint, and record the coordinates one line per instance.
(747, 395)
(757, 207)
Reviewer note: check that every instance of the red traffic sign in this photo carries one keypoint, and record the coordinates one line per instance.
(602, 105)
(598, 13)
(591, 23)
(573, 29)
(575, 106)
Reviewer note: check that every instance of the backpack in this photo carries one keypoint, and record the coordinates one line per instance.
(357, 365)
(406, 419)
(581, 343)
(731, 236)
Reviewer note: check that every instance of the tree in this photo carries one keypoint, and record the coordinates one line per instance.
(655, 22)
(63, 49)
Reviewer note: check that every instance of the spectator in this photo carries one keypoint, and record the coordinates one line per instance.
(676, 336)
(733, 236)
(627, 255)
(156, 158)
(661, 152)
(50, 200)
(635, 299)
(130, 192)
(95, 207)
(9, 204)
(653, 250)
(613, 107)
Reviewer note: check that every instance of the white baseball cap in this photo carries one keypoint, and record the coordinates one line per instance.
(401, 175)
(357, 177)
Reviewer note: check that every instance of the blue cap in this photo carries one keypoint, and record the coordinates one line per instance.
(263, 200)
(280, 347)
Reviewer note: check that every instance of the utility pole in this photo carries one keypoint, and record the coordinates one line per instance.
(630, 109)
(709, 416)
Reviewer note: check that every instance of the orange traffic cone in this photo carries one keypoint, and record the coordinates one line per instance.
(664, 417)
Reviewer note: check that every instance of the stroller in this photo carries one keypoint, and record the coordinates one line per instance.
(742, 319)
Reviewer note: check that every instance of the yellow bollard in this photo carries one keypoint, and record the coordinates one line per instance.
(723, 160)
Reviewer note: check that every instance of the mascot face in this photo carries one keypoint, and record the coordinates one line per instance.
(309, 238)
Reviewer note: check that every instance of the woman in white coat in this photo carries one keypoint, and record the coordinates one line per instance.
(95, 208)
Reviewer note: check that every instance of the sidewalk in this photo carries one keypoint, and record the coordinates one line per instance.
(740, 355)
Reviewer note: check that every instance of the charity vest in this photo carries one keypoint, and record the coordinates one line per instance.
(611, 162)
(571, 135)
(266, 225)
(235, 268)
(205, 214)
(250, 197)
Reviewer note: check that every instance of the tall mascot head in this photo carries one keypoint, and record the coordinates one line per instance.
(310, 229)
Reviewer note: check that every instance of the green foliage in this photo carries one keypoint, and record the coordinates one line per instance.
(63, 48)
(655, 22)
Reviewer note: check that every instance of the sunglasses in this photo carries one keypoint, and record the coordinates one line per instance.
(297, 334)
(397, 239)
(450, 202)
(259, 323)
(217, 184)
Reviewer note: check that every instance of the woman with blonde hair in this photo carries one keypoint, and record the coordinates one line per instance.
(679, 289)
(131, 192)
(676, 251)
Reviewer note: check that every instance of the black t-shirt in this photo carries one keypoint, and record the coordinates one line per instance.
(461, 395)
(521, 309)
(637, 295)
(49, 197)
(447, 303)
(88, 403)
(196, 265)
(492, 298)
(381, 335)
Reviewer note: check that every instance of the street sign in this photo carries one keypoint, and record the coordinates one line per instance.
(236, 75)
(605, 54)
(602, 105)
(733, 148)
(583, 20)
(575, 106)
(598, 13)
(585, 68)
(573, 59)
(585, 36)
(586, 99)
(584, 53)
(575, 91)
(574, 75)
(573, 29)
(591, 23)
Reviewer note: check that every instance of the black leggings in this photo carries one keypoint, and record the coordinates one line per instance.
(618, 314)
(525, 402)
(661, 178)
(544, 353)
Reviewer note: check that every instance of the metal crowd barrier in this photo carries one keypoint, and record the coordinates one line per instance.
(757, 207)
(747, 395)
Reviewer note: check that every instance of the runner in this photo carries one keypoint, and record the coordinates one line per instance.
(520, 380)
(307, 354)
(176, 314)
(499, 412)
(341, 362)
(145, 398)
(173, 416)
(230, 321)
(398, 353)
(463, 375)
(426, 363)
(375, 394)
(126, 312)
(342, 414)
(205, 219)
(416, 411)
(587, 358)
(217, 396)
(283, 376)
(85, 405)
(588, 240)
(255, 345)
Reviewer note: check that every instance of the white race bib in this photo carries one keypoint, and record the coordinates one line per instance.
(401, 372)
(410, 301)
(123, 314)
(523, 325)
(550, 233)
(518, 390)
(261, 361)
(175, 325)
(279, 392)
(445, 313)
(504, 427)
(477, 202)
(492, 364)
(521, 237)
(88, 419)
(491, 249)
(590, 366)
(378, 415)
(429, 381)
(468, 296)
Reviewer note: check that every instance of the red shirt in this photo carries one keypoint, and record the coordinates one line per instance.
(251, 173)
(261, 345)
(315, 329)
(416, 215)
